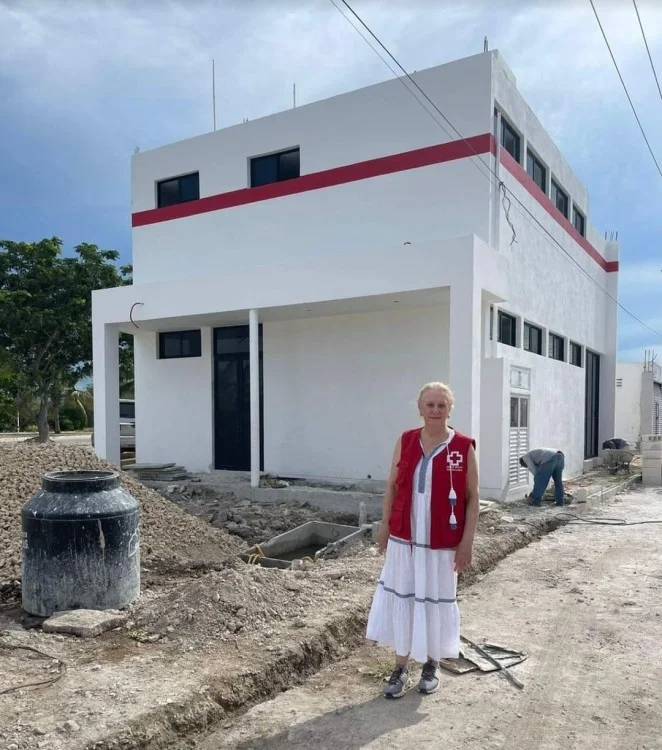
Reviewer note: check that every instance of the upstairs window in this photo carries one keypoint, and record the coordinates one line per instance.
(284, 165)
(575, 354)
(556, 347)
(536, 171)
(510, 140)
(178, 344)
(579, 220)
(532, 336)
(559, 198)
(507, 329)
(178, 190)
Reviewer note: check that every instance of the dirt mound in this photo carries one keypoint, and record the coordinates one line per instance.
(169, 535)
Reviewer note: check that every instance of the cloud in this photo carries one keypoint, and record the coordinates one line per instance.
(86, 82)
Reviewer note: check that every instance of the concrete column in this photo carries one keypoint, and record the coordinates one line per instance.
(651, 460)
(106, 380)
(254, 353)
(465, 345)
(608, 358)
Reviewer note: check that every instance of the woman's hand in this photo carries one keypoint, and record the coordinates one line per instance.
(382, 537)
(463, 556)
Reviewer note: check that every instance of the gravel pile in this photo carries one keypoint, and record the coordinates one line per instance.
(169, 535)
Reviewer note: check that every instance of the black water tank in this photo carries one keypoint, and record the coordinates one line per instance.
(81, 544)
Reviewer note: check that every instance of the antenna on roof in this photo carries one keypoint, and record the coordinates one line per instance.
(485, 45)
(213, 89)
(294, 95)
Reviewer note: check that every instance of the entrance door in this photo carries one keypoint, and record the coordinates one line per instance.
(592, 405)
(232, 425)
(518, 440)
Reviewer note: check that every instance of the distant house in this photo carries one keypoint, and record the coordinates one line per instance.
(638, 400)
(357, 251)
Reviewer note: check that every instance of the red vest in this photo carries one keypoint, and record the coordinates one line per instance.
(453, 459)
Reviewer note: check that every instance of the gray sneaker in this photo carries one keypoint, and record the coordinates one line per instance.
(429, 681)
(398, 684)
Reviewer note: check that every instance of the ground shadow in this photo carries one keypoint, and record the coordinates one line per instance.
(349, 728)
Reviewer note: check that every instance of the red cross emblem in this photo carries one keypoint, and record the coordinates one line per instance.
(455, 461)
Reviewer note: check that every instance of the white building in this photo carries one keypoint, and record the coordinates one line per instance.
(638, 400)
(371, 252)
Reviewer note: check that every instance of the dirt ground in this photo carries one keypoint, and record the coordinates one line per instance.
(200, 646)
(253, 522)
(583, 602)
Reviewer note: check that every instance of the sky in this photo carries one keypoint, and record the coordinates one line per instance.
(85, 82)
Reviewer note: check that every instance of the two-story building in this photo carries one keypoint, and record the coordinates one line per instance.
(349, 251)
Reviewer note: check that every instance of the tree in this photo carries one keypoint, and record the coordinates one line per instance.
(46, 312)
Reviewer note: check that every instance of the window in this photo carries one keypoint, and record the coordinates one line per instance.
(275, 167)
(536, 171)
(575, 354)
(556, 347)
(491, 322)
(178, 190)
(559, 199)
(127, 410)
(510, 140)
(520, 378)
(532, 336)
(579, 220)
(519, 411)
(507, 329)
(177, 344)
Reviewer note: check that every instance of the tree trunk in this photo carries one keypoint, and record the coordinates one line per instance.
(42, 419)
(56, 420)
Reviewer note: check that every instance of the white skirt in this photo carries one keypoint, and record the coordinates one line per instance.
(415, 610)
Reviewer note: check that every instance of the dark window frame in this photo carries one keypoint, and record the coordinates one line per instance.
(576, 348)
(161, 203)
(255, 161)
(556, 192)
(508, 130)
(505, 318)
(527, 329)
(192, 337)
(533, 162)
(556, 347)
(577, 214)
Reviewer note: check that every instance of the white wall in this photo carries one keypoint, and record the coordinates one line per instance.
(434, 202)
(339, 390)
(556, 405)
(628, 401)
(174, 414)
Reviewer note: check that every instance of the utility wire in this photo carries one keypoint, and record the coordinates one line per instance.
(625, 88)
(641, 26)
(524, 211)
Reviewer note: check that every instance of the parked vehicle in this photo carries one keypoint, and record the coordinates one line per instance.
(127, 417)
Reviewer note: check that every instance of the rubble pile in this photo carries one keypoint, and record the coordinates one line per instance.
(169, 535)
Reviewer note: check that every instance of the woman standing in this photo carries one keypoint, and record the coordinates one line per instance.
(428, 526)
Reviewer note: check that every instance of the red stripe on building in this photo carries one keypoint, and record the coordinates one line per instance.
(525, 180)
(421, 157)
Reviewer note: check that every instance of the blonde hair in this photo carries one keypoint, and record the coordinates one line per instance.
(437, 386)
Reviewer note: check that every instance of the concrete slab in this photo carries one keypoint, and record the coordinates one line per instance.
(85, 623)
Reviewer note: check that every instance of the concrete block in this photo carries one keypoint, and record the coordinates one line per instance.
(85, 623)
(651, 478)
(651, 463)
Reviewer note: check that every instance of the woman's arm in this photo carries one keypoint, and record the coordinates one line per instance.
(463, 552)
(389, 496)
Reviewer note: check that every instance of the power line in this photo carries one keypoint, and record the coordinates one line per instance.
(523, 210)
(641, 26)
(625, 88)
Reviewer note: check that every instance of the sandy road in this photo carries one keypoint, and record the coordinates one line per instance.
(584, 603)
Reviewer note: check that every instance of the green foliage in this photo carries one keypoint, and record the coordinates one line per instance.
(46, 315)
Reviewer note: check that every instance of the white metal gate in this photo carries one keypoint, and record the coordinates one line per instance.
(518, 440)
(657, 408)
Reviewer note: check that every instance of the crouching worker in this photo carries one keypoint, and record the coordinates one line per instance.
(544, 464)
